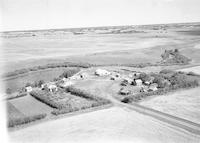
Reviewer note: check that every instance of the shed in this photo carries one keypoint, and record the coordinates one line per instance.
(28, 89)
(153, 87)
(124, 91)
(128, 80)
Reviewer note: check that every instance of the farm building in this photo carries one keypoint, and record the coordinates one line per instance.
(83, 75)
(149, 81)
(144, 88)
(112, 78)
(128, 80)
(66, 84)
(138, 82)
(49, 87)
(124, 91)
(102, 72)
(153, 87)
(28, 89)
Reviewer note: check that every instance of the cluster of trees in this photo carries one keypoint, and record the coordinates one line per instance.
(53, 65)
(167, 81)
(69, 73)
(174, 56)
(35, 84)
(25, 120)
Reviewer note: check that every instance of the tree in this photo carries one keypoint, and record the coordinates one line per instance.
(40, 82)
(8, 91)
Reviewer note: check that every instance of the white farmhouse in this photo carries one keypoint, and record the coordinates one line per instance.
(102, 72)
(49, 87)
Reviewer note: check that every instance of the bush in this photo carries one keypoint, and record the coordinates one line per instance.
(25, 120)
(192, 74)
(73, 109)
(167, 71)
(84, 94)
(8, 91)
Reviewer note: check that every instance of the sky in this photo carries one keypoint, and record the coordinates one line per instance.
(47, 14)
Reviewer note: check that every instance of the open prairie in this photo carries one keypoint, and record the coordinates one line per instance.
(184, 104)
(114, 124)
(139, 44)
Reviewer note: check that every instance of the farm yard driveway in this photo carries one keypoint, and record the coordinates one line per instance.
(116, 124)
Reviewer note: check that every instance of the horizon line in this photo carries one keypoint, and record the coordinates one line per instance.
(98, 26)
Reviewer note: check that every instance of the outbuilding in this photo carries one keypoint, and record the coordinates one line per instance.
(153, 87)
(138, 82)
(124, 91)
(28, 89)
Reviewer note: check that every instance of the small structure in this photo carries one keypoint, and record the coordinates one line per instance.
(153, 87)
(128, 80)
(144, 89)
(112, 78)
(66, 84)
(138, 82)
(102, 72)
(28, 89)
(124, 91)
(83, 75)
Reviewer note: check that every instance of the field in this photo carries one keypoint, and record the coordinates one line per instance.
(29, 106)
(99, 48)
(13, 112)
(20, 81)
(184, 104)
(114, 124)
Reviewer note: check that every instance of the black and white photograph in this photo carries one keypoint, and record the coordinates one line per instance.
(100, 71)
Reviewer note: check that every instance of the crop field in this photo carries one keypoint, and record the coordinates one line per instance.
(13, 112)
(184, 104)
(29, 106)
(114, 124)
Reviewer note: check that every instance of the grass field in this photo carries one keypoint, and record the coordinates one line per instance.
(29, 106)
(111, 125)
(184, 104)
